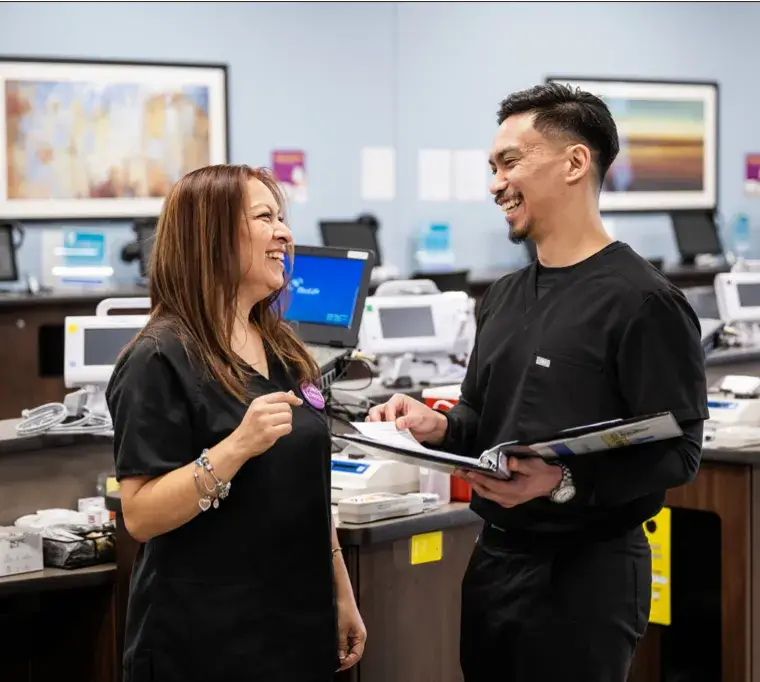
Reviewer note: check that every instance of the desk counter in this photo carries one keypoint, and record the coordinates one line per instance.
(20, 300)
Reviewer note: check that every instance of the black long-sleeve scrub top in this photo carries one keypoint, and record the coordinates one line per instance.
(243, 592)
(556, 348)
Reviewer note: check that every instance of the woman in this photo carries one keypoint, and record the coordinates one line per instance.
(223, 455)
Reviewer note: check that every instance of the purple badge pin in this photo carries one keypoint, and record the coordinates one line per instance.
(313, 395)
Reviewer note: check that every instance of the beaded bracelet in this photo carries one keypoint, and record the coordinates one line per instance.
(209, 496)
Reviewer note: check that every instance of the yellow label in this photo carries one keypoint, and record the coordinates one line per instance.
(658, 534)
(73, 328)
(112, 485)
(427, 547)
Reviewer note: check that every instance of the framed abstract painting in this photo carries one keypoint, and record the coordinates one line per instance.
(668, 131)
(90, 140)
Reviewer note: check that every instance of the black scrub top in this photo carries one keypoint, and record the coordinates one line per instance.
(607, 338)
(239, 593)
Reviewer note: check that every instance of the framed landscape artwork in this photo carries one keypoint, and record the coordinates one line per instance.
(104, 140)
(668, 131)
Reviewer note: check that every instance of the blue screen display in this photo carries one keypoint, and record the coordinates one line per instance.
(323, 290)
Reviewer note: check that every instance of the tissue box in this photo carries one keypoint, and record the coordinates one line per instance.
(20, 551)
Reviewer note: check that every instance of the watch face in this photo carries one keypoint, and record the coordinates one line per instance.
(564, 494)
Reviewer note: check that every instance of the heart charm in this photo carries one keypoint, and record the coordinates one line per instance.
(204, 503)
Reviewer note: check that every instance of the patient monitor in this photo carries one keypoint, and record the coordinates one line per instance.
(738, 296)
(414, 331)
(92, 343)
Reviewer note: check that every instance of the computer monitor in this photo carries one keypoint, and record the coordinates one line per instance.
(93, 343)
(738, 296)
(326, 292)
(8, 264)
(352, 234)
(696, 233)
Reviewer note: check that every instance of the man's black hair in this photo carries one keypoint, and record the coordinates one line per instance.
(561, 110)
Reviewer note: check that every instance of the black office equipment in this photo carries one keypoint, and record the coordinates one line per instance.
(696, 233)
(8, 261)
(353, 234)
(141, 248)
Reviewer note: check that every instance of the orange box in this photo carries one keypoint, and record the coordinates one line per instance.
(444, 398)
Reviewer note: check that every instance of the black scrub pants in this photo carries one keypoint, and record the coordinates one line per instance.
(574, 614)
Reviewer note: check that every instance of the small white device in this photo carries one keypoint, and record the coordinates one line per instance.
(93, 343)
(413, 330)
(380, 506)
(734, 407)
(738, 296)
(359, 474)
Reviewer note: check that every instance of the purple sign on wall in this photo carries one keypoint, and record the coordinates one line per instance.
(289, 168)
(752, 175)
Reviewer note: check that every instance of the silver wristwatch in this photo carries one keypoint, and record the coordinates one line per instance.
(565, 490)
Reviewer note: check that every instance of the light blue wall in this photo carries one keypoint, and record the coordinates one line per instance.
(295, 81)
(458, 60)
(331, 78)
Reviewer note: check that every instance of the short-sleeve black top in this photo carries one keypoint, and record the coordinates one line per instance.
(614, 340)
(245, 591)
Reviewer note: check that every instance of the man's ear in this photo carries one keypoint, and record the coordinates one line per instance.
(579, 161)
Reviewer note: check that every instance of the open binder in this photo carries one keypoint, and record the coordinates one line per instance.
(383, 439)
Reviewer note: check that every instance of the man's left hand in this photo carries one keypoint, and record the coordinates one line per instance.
(352, 634)
(532, 477)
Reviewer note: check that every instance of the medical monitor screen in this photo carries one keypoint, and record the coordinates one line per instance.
(406, 322)
(102, 346)
(704, 301)
(749, 295)
(323, 290)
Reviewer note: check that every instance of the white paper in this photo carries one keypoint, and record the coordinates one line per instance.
(378, 174)
(434, 175)
(470, 175)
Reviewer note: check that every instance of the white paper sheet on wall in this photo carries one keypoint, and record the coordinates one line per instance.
(378, 174)
(434, 175)
(470, 175)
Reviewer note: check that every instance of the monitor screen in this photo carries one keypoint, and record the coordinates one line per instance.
(102, 346)
(8, 272)
(348, 234)
(696, 234)
(406, 322)
(704, 301)
(749, 295)
(323, 290)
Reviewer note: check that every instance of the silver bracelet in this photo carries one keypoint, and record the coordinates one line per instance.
(209, 497)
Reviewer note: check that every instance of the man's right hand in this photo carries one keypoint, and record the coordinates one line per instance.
(424, 424)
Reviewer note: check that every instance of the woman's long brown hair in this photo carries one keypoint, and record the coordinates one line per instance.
(194, 276)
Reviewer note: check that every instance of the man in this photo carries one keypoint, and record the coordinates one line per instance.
(559, 583)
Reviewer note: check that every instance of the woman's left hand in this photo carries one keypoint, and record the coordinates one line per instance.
(352, 634)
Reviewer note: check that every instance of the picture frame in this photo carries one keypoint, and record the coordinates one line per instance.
(668, 132)
(88, 139)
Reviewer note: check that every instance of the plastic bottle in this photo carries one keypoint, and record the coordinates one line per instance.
(434, 252)
(741, 237)
(432, 481)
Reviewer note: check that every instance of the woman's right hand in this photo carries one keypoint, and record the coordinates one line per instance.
(268, 418)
